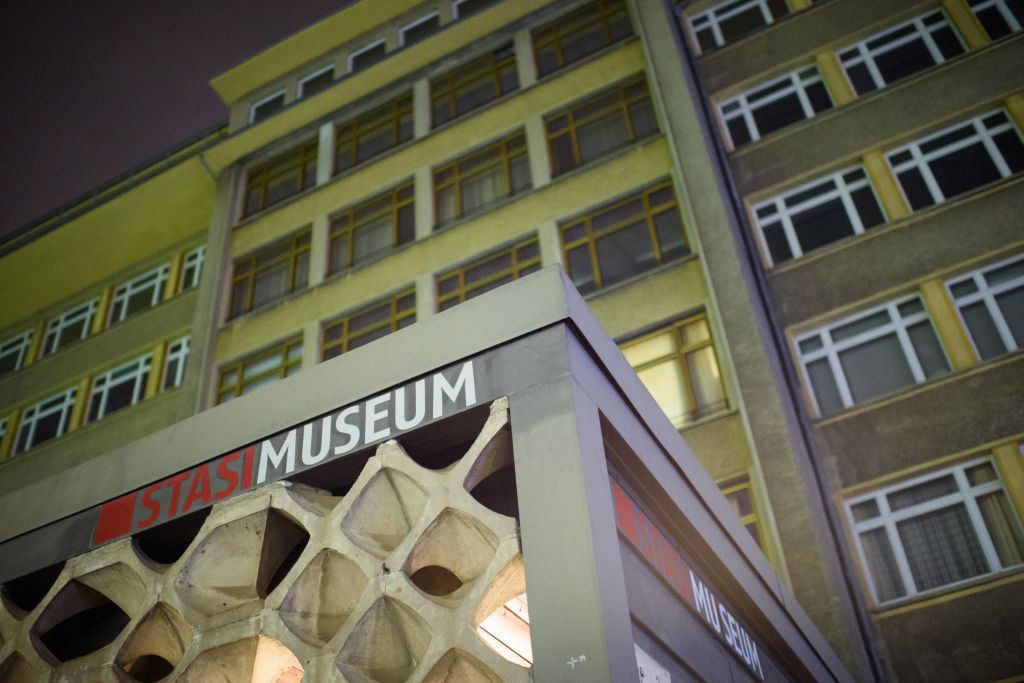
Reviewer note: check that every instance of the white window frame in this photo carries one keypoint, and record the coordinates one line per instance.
(714, 16)
(363, 50)
(843, 189)
(62, 402)
(741, 106)
(830, 349)
(136, 370)
(422, 20)
(987, 294)
(156, 278)
(17, 346)
(1001, 7)
(193, 260)
(311, 76)
(887, 519)
(922, 32)
(177, 355)
(54, 328)
(256, 105)
(919, 160)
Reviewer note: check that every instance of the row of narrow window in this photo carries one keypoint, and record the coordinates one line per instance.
(453, 94)
(131, 297)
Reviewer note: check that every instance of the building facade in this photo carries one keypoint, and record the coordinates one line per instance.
(801, 222)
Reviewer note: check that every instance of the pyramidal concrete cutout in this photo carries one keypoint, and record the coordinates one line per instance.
(323, 597)
(385, 511)
(386, 645)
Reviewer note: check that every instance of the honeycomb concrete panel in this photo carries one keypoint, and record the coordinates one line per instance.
(289, 582)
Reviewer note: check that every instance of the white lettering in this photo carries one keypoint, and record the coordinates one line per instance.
(285, 454)
(372, 415)
(307, 442)
(420, 408)
(343, 426)
(725, 620)
(464, 383)
(705, 602)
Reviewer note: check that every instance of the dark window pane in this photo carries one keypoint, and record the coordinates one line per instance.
(915, 189)
(624, 253)
(778, 246)
(470, 7)
(423, 29)
(580, 269)
(904, 60)
(741, 24)
(367, 57)
(928, 349)
(47, 428)
(1012, 149)
(669, 228)
(641, 115)
(876, 367)
(120, 396)
(825, 390)
(821, 225)
(818, 95)
(1012, 306)
(738, 132)
(947, 42)
(982, 330)
(321, 81)
(268, 108)
(964, 170)
(867, 207)
(861, 79)
(994, 24)
(778, 114)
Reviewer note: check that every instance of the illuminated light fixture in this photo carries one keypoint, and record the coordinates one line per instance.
(507, 631)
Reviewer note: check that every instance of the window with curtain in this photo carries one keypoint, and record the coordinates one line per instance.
(473, 182)
(991, 305)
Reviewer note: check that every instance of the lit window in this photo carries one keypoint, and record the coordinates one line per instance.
(631, 236)
(728, 21)
(266, 107)
(372, 133)
(469, 87)
(138, 294)
(475, 181)
(464, 8)
(121, 387)
(420, 29)
(192, 267)
(280, 178)
(991, 305)
(583, 32)
(13, 352)
(367, 56)
(319, 80)
(609, 121)
(767, 108)
(958, 159)
(45, 420)
(368, 324)
(875, 352)
(270, 273)
(739, 496)
(372, 227)
(68, 327)
(259, 369)
(999, 17)
(174, 365)
(506, 630)
(900, 51)
(937, 530)
(679, 367)
(487, 273)
(818, 213)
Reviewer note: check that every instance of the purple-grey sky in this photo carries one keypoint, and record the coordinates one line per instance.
(94, 88)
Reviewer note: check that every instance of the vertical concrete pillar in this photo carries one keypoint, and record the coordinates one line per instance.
(426, 296)
(156, 370)
(966, 23)
(420, 108)
(1010, 462)
(310, 344)
(10, 429)
(885, 185)
(797, 5)
(173, 275)
(99, 319)
(526, 63)
(1015, 105)
(550, 244)
(35, 345)
(947, 324)
(835, 79)
(537, 151)
(423, 196)
(77, 415)
(325, 153)
(318, 250)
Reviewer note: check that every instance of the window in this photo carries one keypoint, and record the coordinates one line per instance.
(629, 237)
(776, 104)
(678, 366)
(900, 51)
(138, 294)
(259, 369)
(572, 37)
(13, 352)
(192, 267)
(482, 80)
(475, 181)
(420, 29)
(367, 56)
(373, 133)
(267, 107)
(281, 177)
(991, 305)
(936, 530)
(121, 387)
(999, 17)
(958, 159)
(728, 21)
(68, 327)
(270, 273)
(368, 324)
(612, 120)
(45, 420)
(818, 213)
(873, 353)
(738, 494)
(174, 365)
(464, 8)
(320, 79)
(487, 273)
(371, 227)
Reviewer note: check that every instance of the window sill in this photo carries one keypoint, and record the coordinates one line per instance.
(270, 305)
(950, 592)
(639, 277)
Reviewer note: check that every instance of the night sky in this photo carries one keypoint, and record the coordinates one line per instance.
(94, 87)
